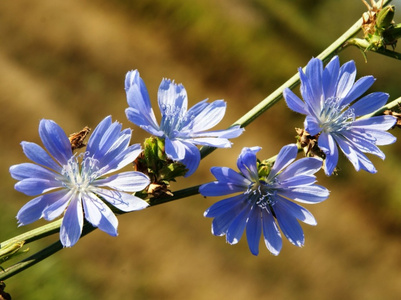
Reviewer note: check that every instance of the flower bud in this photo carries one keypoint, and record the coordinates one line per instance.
(385, 17)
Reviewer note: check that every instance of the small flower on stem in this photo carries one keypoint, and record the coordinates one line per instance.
(265, 199)
(79, 185)
(182, 129)
(331, 106)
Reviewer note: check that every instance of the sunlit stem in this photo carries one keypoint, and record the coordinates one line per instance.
(34, 234)
(42, 254)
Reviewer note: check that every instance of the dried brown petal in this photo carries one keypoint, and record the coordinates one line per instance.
(77, 138)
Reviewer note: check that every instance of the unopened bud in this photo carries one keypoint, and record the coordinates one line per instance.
(385, 17)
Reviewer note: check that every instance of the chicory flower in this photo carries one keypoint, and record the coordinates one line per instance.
(182, 129)
(79, 185)
(264, 202)
(331, 106)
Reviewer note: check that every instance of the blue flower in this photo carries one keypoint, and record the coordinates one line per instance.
(264, 203)
(78, 185)
(331, 108)
(181, 128)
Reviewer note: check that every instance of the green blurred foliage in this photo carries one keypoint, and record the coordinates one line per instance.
(66, 61)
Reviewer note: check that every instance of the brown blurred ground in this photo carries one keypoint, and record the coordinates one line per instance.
(66, 61)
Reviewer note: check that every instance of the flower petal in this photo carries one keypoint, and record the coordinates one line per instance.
(229, 133)
(170, 97)
(33, 210)
(237, 227)
(369, 103)
(139, 118)
(71, 226)
(289, 226)
(355, 156)
(209, 117)
(219, 188)
(222, 222)
(29, 170)
(56, 208)
(221, 207)
(382, 138)
(306, 194)
(121, 159)
(312, 125)
(55, 141)
(212, 142)
(140, 112)
(327, 145)
(38, 155)
(271, 233)
(293, 102)
(36, 186)
(109, 140)
(295, 181)
(346, 79)
(175, 149)
(360, 87)
(329, 77)
(303, 166)
(191, 159)
(286, 156)
(122, 201)
(363, 142)
(125, 181)
(254, 229)
(228, 175)
(99, 214)
(314, 72)
(97, 134)
(247, 161)
(297, 211)
(313, 104)
(382, 123)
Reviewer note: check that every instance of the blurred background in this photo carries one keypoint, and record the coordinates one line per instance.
(66, 61)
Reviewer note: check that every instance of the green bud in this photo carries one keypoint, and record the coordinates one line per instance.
(11, 250)
(385, 17)
(264, 168)
(160, 169)
(360, 43)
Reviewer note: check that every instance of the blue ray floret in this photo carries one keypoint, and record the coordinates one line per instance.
(79, 185)
(181, 128)
(331, 106)
(264, 203)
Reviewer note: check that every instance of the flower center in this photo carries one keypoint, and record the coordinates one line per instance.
(174, 119)
(78, 177)
(334, 117)
(262, 194)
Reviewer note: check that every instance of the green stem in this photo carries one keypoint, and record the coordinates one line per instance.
(34, 234)
(389, 53)
(41, 255)
(191, 191)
